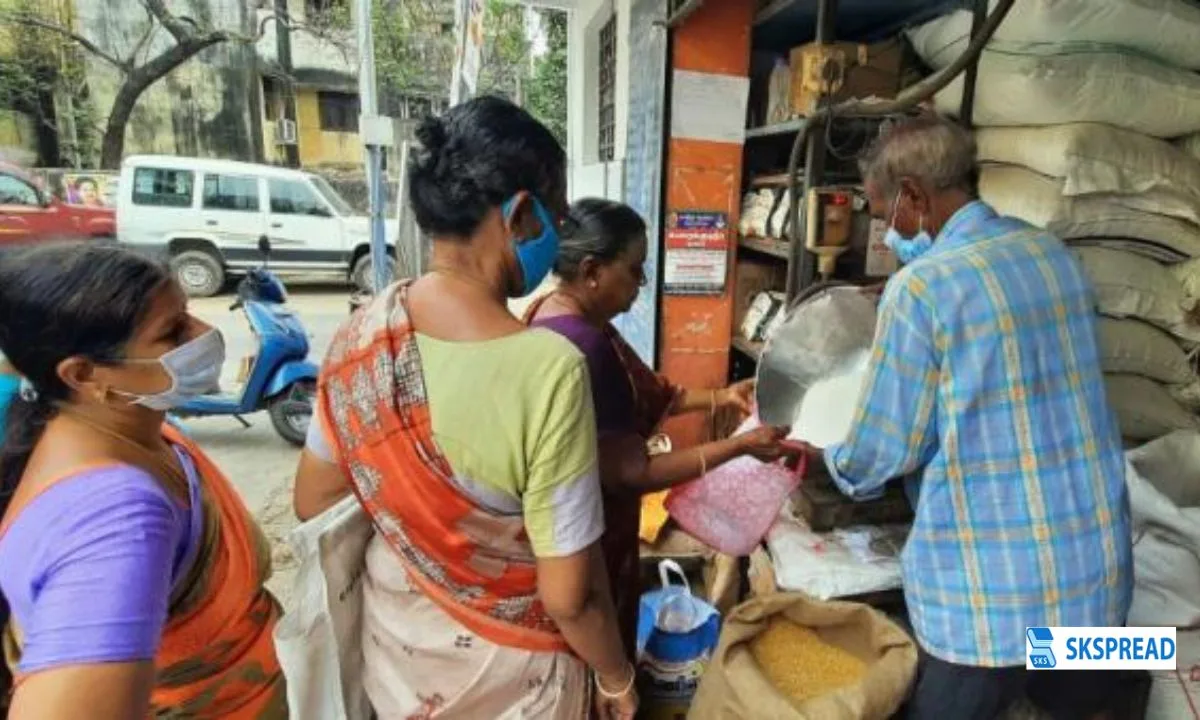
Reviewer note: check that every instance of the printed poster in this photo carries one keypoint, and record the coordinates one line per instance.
(697, 253)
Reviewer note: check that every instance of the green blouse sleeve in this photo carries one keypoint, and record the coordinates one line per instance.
(561, 499)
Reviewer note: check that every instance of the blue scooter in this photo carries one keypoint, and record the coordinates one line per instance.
(281, 379)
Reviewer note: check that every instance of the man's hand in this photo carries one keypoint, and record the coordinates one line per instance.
(801, 455)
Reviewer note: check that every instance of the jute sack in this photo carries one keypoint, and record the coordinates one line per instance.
(734, 686)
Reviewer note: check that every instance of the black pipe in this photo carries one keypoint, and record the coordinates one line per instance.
(905, 101)
(802, 265)
(966, 109)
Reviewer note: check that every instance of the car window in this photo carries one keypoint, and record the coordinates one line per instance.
(17, 192)
(292, 197)
(163, 188)
(230, 192)
(339, 203)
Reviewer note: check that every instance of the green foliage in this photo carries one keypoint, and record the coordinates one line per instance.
(547, 97)
(414, 49)
(506, 50)
(39, 69)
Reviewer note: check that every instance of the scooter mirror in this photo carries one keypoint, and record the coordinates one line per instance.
(264, 246)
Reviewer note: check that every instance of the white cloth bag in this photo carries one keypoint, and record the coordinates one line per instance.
(319, 639)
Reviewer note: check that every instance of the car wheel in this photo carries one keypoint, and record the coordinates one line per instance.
(362, 276)
(198, 272)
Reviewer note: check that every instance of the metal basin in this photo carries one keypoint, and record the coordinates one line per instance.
(825, 333)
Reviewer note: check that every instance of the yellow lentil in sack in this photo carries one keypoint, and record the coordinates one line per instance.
(800, 664)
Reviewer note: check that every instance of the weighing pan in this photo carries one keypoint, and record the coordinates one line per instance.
(824, 333)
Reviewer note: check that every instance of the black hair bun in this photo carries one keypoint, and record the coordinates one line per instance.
(431, 133)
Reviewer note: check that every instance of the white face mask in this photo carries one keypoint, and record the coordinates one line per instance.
(194, 369)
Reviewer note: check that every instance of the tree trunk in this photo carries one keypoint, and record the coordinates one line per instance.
(112, 148)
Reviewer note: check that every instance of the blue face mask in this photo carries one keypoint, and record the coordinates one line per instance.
(907, 249)
(535, 255)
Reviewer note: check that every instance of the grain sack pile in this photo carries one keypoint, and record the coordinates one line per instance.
(1089, 126)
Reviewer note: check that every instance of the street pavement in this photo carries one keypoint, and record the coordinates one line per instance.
(259, 463)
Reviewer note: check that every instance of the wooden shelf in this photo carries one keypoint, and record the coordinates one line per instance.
(767, 246)
(749, 348)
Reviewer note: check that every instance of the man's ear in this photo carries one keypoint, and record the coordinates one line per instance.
(917, 196)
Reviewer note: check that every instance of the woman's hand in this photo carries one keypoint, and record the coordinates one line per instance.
(764, 443)
(738, 396)
(611, 703)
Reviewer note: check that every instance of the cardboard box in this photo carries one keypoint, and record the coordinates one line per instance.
(866, 71)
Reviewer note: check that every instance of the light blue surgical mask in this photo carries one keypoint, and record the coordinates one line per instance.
(907, 249)
(535, 255)
(194, 368)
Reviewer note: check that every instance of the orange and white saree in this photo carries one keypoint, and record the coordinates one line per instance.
(453, 626)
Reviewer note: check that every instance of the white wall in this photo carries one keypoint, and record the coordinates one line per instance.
(588, 176)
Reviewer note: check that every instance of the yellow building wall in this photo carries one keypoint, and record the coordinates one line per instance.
(317, 146)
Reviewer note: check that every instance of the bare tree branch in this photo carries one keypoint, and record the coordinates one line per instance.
(181, 29)
(151, 26)
(32, 21)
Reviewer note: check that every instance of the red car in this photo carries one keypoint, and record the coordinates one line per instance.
(29, 214)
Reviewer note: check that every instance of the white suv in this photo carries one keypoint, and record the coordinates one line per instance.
(206, 218)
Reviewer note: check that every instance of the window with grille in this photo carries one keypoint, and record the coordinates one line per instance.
(608, 90)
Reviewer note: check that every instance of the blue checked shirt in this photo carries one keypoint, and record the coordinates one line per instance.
(986, 384)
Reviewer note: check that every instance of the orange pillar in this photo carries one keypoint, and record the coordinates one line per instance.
(704, 176)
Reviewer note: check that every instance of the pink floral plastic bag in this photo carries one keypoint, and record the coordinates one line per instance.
(733, 506)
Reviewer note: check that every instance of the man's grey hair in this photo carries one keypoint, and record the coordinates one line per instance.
(929, 149)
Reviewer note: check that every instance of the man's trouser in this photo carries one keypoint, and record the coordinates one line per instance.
(945, 691)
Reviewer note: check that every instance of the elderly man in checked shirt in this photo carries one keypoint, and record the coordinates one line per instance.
(985, 390)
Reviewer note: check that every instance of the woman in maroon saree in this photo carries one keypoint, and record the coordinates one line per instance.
(600, 269)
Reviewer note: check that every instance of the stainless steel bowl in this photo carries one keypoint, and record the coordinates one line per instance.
(824, 332)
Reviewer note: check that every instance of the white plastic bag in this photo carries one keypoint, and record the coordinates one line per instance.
(1175, 694)
(319, 639)
(845, 562)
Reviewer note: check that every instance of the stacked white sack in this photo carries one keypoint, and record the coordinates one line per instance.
(1123, 62)
(1074, 98)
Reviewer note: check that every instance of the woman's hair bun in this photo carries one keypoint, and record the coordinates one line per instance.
(431, 133)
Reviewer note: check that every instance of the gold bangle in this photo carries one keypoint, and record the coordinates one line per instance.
(712, 403)
(703, 463)
(628, 686)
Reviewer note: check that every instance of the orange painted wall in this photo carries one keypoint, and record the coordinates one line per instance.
(696, 331)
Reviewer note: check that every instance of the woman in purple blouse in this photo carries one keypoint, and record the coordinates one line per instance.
(600, 268)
